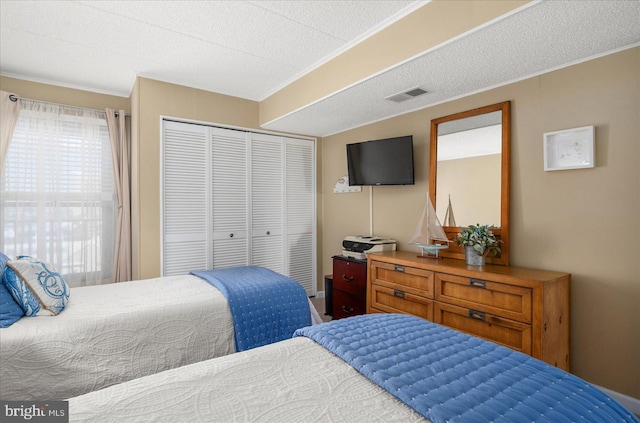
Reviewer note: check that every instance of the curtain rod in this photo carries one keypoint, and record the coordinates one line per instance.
(15, 98)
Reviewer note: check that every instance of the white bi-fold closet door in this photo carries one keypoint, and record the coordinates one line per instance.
(234, 198)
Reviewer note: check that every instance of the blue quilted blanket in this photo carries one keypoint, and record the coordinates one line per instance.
(447, 376)
(266, 306)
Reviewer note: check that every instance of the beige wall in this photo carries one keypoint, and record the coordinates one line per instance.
(586, 222)
(473, 185)
(55, 94)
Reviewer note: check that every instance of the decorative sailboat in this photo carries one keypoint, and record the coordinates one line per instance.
(429, 230)
(449, 218)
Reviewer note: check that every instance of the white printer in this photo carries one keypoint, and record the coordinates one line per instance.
(358, 246)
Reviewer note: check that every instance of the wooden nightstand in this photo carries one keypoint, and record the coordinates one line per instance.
(349, 287)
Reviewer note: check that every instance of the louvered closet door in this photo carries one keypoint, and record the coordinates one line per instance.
(229, 198)
(267, 248)
(185, 175)
(300, 212)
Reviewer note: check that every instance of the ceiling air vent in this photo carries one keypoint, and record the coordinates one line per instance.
(406, 95)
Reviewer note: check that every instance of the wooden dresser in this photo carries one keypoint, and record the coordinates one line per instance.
(524, 309)
(349, 287)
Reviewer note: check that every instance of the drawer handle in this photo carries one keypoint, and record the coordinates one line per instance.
(397, 293)
(478, 315)
(347, 278)
(398, 268)
(347, 310)
(478, 283)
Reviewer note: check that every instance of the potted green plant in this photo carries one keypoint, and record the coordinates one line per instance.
(478, 241)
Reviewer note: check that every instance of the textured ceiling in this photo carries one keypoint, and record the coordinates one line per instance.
(251, 49)
(247, 49)
(539, 38)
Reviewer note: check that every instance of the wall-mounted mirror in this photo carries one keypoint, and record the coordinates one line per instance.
(469, 174)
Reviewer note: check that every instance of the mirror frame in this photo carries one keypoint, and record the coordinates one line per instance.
(502, 233)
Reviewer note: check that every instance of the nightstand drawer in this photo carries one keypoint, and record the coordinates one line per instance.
(498, 299)
(505, 332)
(349, 276)
(347, 305)
(397, 301)
(408, 279)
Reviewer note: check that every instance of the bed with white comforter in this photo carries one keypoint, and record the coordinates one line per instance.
(113, 333)
(291, 381)
(371, 368)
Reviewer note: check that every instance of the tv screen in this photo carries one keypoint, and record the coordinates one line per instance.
(381, 162)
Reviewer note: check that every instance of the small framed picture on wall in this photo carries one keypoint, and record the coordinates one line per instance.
(570, 149)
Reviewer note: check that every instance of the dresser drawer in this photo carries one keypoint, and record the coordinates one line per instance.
(346, 304)
(349, 276)
(396, 301)
(408, 279)
(524, 309)
(505, 332)
(499, 299)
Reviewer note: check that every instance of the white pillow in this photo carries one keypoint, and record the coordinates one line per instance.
(36, 286)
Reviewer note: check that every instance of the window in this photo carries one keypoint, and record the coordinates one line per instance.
(57, 195)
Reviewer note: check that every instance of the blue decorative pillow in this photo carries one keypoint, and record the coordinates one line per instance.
(36, 286)
(10, 310)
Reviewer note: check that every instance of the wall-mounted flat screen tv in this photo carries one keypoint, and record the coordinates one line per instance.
(381, 162)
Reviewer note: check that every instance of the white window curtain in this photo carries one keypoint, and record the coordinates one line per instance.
(57, 194)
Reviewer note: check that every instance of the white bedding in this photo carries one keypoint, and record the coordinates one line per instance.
(295, 380)
(113, 333)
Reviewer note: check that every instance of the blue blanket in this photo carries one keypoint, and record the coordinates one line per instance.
(447, 376)
(266, 306)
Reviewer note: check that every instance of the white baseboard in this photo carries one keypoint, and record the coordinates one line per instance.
(632, 404)
(320, 294)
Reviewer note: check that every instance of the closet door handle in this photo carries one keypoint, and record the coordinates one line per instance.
(268, 232)
(230, 235)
